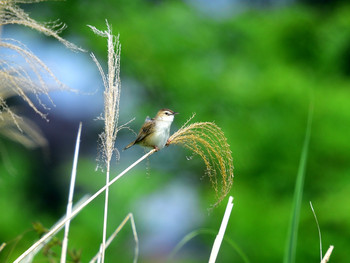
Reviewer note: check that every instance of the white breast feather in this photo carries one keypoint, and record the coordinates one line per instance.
(160, 137)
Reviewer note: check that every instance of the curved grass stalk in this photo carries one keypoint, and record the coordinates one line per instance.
(318, 229)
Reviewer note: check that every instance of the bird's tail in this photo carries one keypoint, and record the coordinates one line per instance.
(129, 145)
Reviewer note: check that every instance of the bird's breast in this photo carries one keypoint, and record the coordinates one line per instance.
(161, 135)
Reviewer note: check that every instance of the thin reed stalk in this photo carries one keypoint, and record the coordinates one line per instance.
(330, 249)
(111, 238)
(328, 254)
(105, 216)
(2, 246)
(28, 258)
(220, 235)
(58, 226)
(70, 197)
(318, 229)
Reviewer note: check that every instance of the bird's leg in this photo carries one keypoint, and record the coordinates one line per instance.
(156, 148)
(168, 142)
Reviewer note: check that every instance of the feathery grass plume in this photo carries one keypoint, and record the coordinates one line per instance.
(208, 141)
(29, 74)
(29, 136)
(112, 85)
(10, 13)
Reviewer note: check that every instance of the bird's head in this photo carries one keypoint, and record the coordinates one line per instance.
(165, 115)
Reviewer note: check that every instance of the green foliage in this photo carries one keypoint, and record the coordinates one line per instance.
(289, 256)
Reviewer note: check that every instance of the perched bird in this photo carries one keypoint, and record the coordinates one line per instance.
(154, 133)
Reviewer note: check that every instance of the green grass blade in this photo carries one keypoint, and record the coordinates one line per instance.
(289, 255)
(195, 233)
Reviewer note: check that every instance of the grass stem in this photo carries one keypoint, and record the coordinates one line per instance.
(327, 255)
(104, 233)
(111, 238)
(70, 196)
(55, 229)
(318, 229)
(220, 236)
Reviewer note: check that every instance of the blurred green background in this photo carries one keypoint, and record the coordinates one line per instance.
(253, 67)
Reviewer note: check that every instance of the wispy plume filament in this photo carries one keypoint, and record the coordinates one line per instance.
(208, 141)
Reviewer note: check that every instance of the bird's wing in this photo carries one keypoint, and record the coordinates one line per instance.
(146, 129)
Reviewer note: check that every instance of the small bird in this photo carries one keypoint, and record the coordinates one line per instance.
(154, 133)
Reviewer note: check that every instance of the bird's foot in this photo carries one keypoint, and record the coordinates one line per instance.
(168, 142)
(156, 148)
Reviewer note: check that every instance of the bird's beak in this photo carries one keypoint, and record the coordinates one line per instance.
(175, 113)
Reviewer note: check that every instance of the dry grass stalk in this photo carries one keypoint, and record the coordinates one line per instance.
(111, 238)
(28, 255)
(2, 246)
(59, 225)
(328, 254)
(70, 196)
(208, 141)
(112, 86)
(220, 236)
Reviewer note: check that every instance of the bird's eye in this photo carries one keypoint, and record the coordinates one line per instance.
(167, 113)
